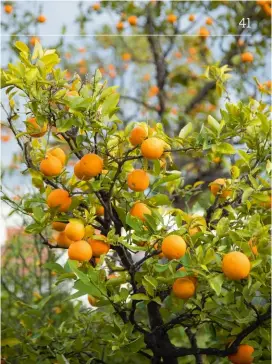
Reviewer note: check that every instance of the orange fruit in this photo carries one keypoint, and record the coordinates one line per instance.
(100, 210)
(216, 160)
(139, 209)
(236, 265)
(152, 148)
(58, 153)
(243, 355)
(33, 40)
(173, 247)
(138, 135)
(34, 129)
(219, 185)
(253, 246)
(153, 91)
(183, 288)
(171, 18)
(209, 21)
(77, 171)
(203, 32)
(120, 26)
(62, 240)
(91, 165)
(5, 138)
(241, 42)
(96, 6)
(92, 300)
(192, 278)
(59, 198)
(126, 57)
(80, 250)
(58, 225)
(75, 230)
(132, 20)
(138, 180)
(51, 166)
(99, 247)
(247, 57)
(8, 9)
(41, 19)
(191, 17)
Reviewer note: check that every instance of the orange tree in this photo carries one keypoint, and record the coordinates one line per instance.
(165, 285)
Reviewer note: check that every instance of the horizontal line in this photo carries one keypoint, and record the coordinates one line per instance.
(123, 35)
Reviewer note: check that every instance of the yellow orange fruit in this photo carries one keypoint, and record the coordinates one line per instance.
(58, 225)
(203, 32)
(173, 247)
(8, 9)
(60, 199)
(51, 166)
(138, 180)
(100, 210)
(120, 26)
(191, 17)
(91, 165)
(75, 230)
(247, 57)
(132, 20)
(236, 265)
(80, 250)
(139, 210)
(243, 355)
(126, 57)
(153, 91)
(34, 129)
(99, 247)
(209, 21)
(219, 185)
(152, 148)
(96, 6)
(138, 135)
(183, 288)
(62, 240)
(171, 18)
(33, 40)
(41, 19)
(77, 171)
(58, 153)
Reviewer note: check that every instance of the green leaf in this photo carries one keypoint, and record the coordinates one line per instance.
(140, 297)
(170, 177)
(222, 227)
(22, 47)
(186, 130)
(158, 200)
(54, 267)
(224, 148)
(216, 283)
(110, 103)
(214, 124)
(11, 341)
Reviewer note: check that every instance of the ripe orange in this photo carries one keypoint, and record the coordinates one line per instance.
(243, 355)
(183, 288)
(138, 135)
(91, 165)
(139, 209)
(152, 148)
(120, 26)
(132, 20)
(203, 32)
(5, 138)
(51, 166)
(96, 6)
(241, 42)
(33, 40)
(41, 19)
(153, 91)
(219, 185)
(80, 250)
(34, 129)
(191, 17)
(58, 153)
(92, 300)
(236, 265)
(99, 247)
(8, 9)
(138, 180)
(77, 171)
(75, 230)
(62, 240)
(126, 57)
(59, 198)
(171, 18)
(247, 57)
(100, 210)
(209, 21)
(192, 278)
(173, 247)
(58, 225)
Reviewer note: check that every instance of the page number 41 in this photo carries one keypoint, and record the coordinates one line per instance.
(245, 23)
